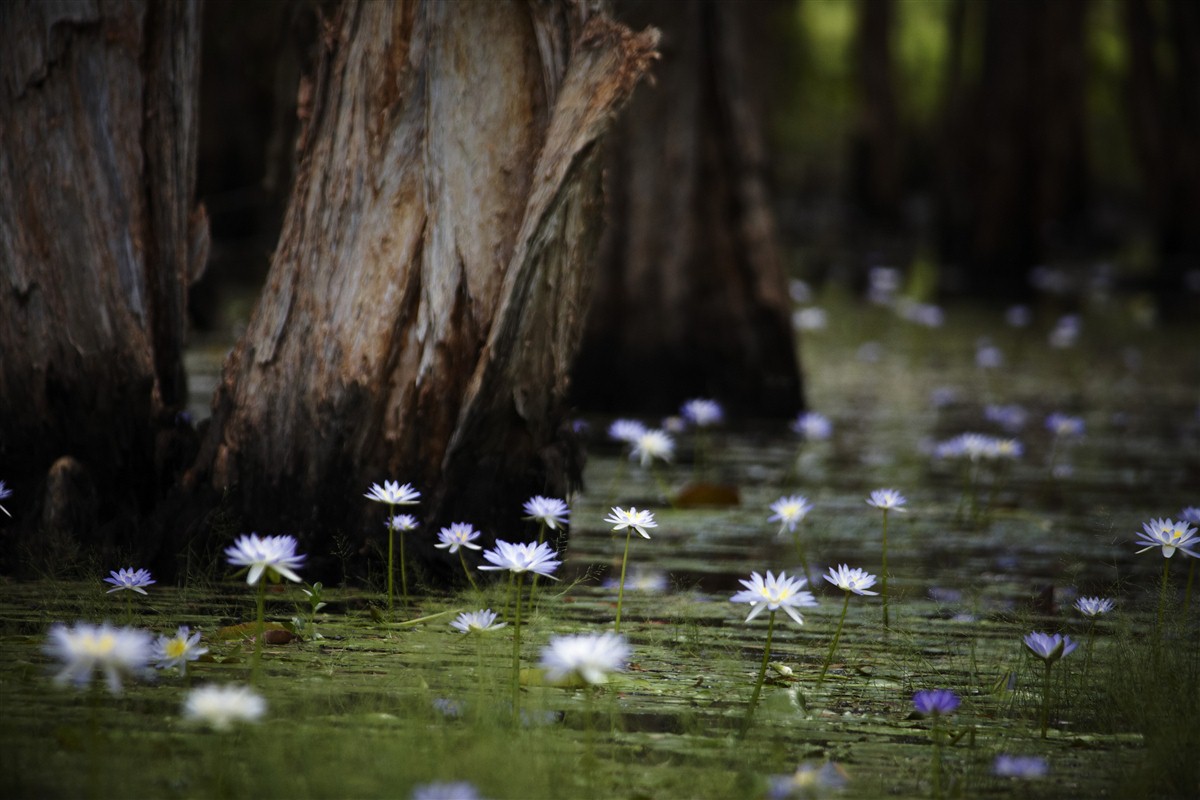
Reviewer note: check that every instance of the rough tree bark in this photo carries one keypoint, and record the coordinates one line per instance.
(97, 154)
(426, 296)
(691, 298)
(1014, 177)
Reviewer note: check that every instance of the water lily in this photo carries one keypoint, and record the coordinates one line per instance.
(519, 559)
(128, 578)
(176, 651)
(628, 520)
(936, 703)
(455, 790)
(703, 412)
(772, 594)
(547, 511)
(477, 622)
(454, 538)
(588, 657)
(626, 430)
(653, 444)
(812, 426)
(272, 556)
(1024, 767)
(886, 500)
(5, 493)
(851, 581)
(395, 494)
(1049, 647)
(1168, 535)
(85, 649)
(220, 707)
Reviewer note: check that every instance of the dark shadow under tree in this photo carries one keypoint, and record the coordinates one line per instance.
(691, 296)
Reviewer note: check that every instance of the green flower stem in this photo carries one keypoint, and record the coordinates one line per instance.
(833, 645)
(463, 560)
(883, 575)
(129, 608)
(762, 676)
(541, 538)
(800, 551)
(1087, 660)
(621, 585)
(1162, 597)
(1187, 594)
(516, 665)
(1046, 699)
(259, 629)
(935, 734)
(391, 543)
(403, 572)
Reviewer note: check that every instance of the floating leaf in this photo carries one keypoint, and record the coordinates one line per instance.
(702, 494)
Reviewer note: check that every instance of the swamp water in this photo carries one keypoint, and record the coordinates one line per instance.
(373, 709)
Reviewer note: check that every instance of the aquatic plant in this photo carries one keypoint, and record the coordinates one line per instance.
(652, 445)
(1191, 515)
(220, 706)
(774, 593)
(273, 557)
(808, 781)
(446, 790)
(1049, 648)
(812, 426)
(548, 512)
(1092, 608)
(85, 649)
(886, 500)
(131, 580)
(5, 493)
(394, 494)
(174, 652)
(585, 657)
(476, 622)
(648, 449)
(519, 559)
(1023, 767)
(629, 520)
(702, 414)
(455, 538)
(1169, 536)
(851, 581)
(790, 512)
(1063, 427)
(936, 704)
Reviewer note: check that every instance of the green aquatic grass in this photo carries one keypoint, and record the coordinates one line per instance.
(356, 712)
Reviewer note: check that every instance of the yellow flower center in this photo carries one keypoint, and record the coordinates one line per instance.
(176, 648)
(98, 645)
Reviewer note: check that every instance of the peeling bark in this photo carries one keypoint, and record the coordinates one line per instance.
(426, 296)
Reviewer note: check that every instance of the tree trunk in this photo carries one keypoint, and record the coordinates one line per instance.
(97, 161)
(691, 298)
(1014, 180)
(1164, 115)
(426, 296)
(878, 144)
